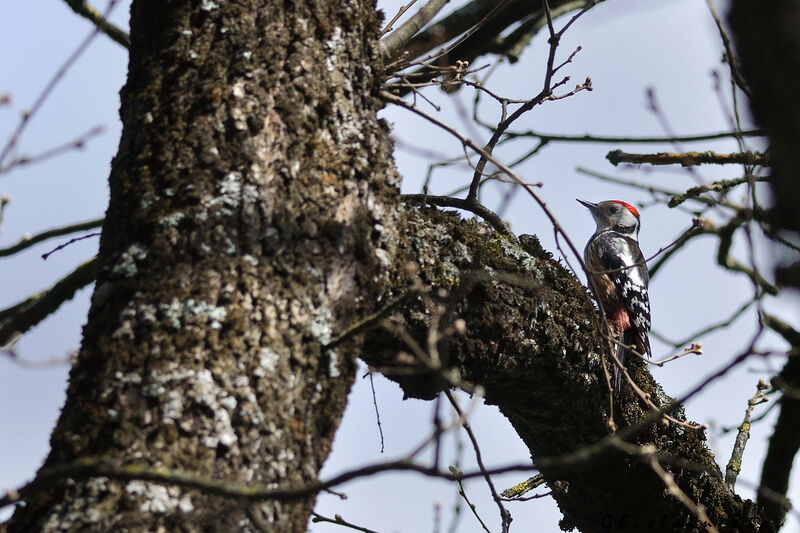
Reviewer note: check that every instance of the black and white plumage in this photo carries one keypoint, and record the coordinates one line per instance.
(618, 275)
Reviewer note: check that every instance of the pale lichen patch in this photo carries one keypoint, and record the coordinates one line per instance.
(335, 45)
(333, 364)
(267, 362)
(206, 392)
(176, 313)
(528, 262)
(125, 266)
(158, 499)
(321, 325)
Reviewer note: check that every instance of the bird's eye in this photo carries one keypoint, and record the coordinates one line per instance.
(612, 209)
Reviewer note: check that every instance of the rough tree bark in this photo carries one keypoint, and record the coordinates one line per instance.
(254, 215)
(251, 216)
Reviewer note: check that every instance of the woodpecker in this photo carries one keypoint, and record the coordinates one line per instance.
(618, 276)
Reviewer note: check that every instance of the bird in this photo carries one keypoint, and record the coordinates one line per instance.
(618, 276)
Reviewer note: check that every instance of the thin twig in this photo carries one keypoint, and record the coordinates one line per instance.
(463, 493)
(57, 77)
(545, 94)
(75, 144)
(71, 241)
(694, 348)
(708, 329)
(502, 167)
(505, 516)
(390, 26)
(652, 190)
(37, 364)
(27, 242)
(457, 504)
(735, 463)
(338, 520)
(375, 404)
(4, 201)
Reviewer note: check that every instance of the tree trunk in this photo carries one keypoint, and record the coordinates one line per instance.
(251, 216)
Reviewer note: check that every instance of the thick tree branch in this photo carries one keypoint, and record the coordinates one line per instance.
(534, 348)
(488, 39)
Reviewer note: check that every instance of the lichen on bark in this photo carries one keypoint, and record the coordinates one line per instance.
(252, 215)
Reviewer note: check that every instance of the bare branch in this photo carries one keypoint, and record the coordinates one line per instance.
(714, 186)
(471, 506)
(390, 26)
(89, 467)
(471, 205)
(730, 57)
(82, 8)
(602, 139)
(392, 43)
(694, 348)
(688, 159)
(338, 520)
(521, 488)
(23, 316)
(369, 374)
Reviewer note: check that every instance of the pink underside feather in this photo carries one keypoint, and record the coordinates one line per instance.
(621, 319)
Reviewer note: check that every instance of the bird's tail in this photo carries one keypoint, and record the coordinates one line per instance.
(628, 338)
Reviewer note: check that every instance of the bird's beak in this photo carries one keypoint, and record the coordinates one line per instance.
(589, 205)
